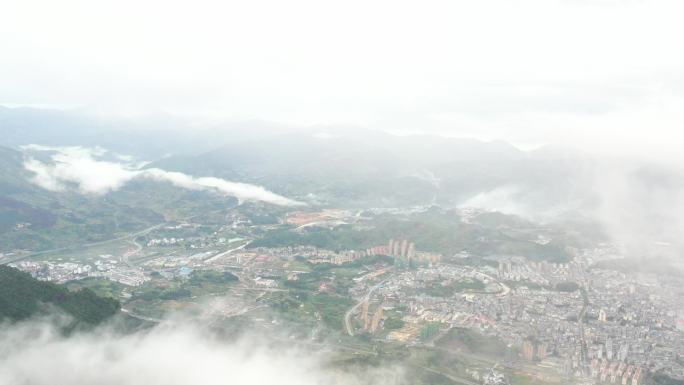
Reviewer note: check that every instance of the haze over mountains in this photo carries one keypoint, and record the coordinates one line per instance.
(316, 166)
(150, 137)
(259, 152)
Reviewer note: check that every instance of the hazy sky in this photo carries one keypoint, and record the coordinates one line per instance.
(529, 71)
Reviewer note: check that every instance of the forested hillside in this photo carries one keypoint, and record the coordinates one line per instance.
(22, 296)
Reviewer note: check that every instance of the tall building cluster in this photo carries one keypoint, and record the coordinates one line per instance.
(401, 248)
(371, 324)
(377, 318)
(533, 351)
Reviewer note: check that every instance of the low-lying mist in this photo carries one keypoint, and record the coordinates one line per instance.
(638, 205)
(176, 353)
(641, 207)
(92, 173)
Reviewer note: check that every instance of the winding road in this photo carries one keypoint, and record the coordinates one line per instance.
(348, 314)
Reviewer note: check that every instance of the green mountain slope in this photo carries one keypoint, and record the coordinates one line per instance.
(32, 218)
(22, 296)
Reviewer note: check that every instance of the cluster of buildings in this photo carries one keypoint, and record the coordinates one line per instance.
(616, 372)
(171, 241)
(615, 329)
(315, 255)
(171, 262)
(186, 235)
(542, 273)
(372, 323)
(59, 272)
(406, 251)
(399, 249)
(533, 350)
(106, 266)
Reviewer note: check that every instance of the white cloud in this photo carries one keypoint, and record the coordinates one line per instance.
(182, 354)
(501, 199)
(239, 190)
(638, 205)
(43, 176)
(641, 208)
(84, 169)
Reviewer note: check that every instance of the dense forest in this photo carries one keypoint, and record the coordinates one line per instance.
(22, 296)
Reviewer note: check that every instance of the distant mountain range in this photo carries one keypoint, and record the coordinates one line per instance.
(149, 138)
(379, 169)
(348, 167)
(356, 169)
(322, 166)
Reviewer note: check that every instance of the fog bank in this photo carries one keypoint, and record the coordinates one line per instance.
(179, 354)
